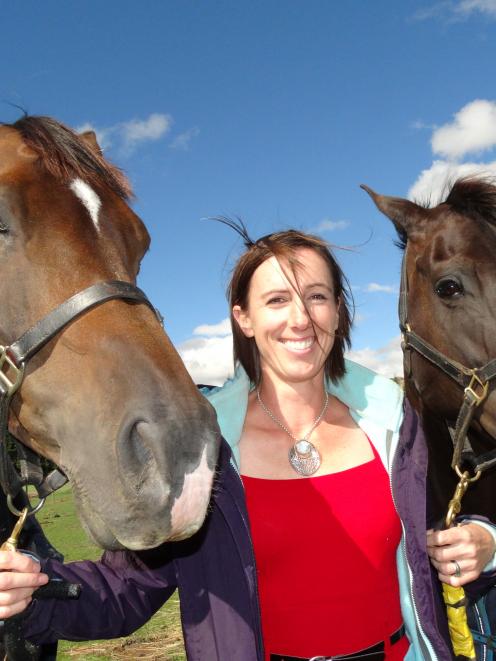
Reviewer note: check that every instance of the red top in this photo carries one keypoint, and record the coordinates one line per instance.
(325, 550)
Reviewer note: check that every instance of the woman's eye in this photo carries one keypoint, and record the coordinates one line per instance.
(318, 297)
(276, 300)
(448, 288)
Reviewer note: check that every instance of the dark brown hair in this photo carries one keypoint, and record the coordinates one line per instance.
(283, 246)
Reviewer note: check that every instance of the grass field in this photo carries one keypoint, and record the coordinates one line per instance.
(160, 638)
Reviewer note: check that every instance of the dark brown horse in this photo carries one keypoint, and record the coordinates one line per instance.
(450, 280)
(107, 398)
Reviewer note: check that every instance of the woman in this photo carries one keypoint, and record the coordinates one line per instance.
(307, 484)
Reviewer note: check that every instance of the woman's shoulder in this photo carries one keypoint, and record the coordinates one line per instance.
(237, 385)
(370, 395)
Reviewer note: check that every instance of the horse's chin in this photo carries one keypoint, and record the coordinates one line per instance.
(132, 535)
(103, 536)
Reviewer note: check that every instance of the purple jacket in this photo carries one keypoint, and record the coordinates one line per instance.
(215, 574)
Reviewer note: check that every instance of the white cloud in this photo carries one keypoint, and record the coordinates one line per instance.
(433, 183)
(419, 125)
(183, 140)
(387, 360)
(456, 10)
(469, 6)
(137, 131)
(328, 225)
(375, 287)
(472, 130)
(209, 358)
(127, 136)
(222, 328)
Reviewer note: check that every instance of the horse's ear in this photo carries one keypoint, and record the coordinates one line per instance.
(404, 214)
(89, 137)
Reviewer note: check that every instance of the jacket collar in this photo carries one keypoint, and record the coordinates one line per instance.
(369, 396)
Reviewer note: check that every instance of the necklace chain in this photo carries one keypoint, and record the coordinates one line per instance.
(283, 426)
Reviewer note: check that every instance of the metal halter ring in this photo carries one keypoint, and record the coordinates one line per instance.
(32, 510)
(465, 476)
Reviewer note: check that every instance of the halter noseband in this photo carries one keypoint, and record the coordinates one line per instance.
(13, 359)
(474, 381)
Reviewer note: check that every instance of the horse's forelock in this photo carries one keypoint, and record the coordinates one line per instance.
(66, 156)
(474, 197)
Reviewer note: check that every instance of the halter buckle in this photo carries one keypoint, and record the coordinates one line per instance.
(472, 393)
(10, 377)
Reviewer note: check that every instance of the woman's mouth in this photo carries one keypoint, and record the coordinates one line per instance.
(298, 345)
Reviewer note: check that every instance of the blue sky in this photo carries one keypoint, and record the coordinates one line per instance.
(274, 111)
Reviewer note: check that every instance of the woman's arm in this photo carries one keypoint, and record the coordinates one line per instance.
(119, 593)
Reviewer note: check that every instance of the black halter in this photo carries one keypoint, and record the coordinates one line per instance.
(474, 381)
(13, 359)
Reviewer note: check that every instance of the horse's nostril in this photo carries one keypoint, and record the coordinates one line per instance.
(135, 451)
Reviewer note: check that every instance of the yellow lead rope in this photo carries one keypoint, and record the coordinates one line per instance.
(454, 598)
(460, 634)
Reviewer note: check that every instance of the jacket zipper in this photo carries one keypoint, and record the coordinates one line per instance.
(410, 574)
(255, 579)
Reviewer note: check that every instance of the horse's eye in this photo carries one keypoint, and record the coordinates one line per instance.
(448, 288)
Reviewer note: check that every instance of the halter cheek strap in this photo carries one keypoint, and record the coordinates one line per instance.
(13, 359)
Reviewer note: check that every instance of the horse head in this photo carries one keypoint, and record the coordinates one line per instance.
(449, 283)
(108, 398)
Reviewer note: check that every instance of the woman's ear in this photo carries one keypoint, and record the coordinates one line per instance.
(336, 323)
(243, 320)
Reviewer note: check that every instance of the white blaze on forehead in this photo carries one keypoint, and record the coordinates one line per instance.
(88, 197)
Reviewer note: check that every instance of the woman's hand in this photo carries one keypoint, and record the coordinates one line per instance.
(20, 576)
(459, 554)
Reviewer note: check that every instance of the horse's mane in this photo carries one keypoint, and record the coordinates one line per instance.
(474, 197)
(66, 156)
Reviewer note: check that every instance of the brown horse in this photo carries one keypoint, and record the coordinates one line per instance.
(107, 398)
(449, 301)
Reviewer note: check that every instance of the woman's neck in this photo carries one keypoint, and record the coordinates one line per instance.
(295, 403)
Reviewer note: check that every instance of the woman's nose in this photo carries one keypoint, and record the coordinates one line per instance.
(298, 315)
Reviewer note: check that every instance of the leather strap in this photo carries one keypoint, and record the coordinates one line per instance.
(33, 339)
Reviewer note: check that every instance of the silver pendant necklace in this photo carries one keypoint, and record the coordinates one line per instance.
(304, 457)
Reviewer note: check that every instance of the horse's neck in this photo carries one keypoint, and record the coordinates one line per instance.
(442, 479)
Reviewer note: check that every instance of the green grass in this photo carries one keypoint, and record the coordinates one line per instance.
(160, 638)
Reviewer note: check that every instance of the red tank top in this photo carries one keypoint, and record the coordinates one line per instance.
(325, 551)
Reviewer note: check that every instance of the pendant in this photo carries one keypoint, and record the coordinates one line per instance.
(305, 458)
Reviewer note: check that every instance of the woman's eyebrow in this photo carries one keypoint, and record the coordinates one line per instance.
(271, 292)
(318, 284)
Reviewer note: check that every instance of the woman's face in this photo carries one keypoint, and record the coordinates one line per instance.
(291, 347)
